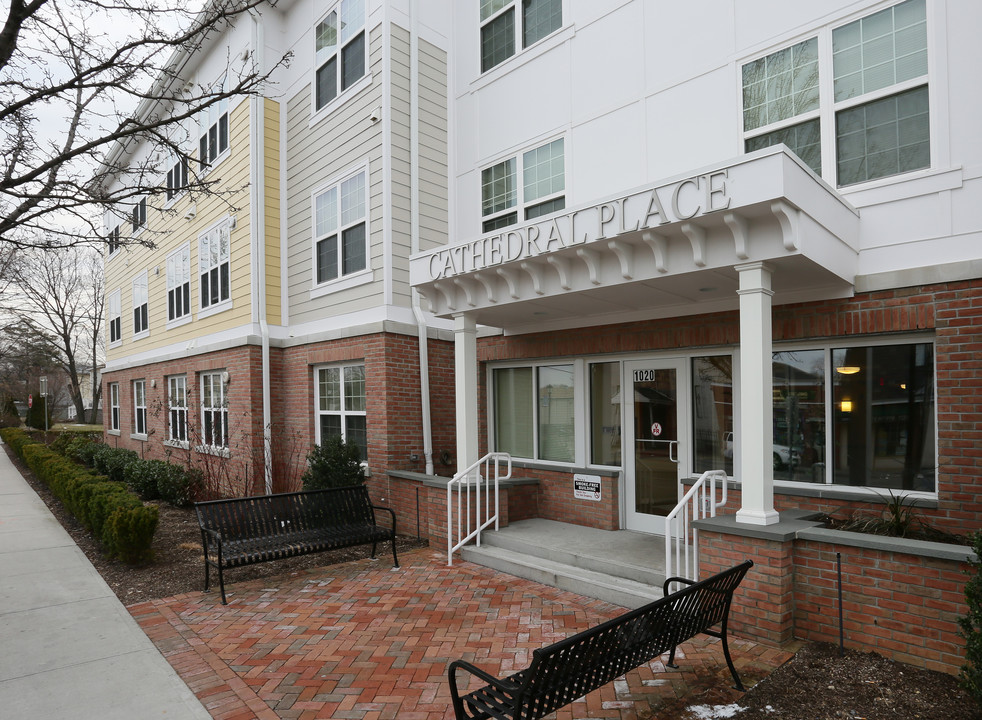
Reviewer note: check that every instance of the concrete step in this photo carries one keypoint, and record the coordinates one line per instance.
(603, 586)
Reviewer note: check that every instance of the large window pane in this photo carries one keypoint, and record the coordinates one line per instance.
(605, 413)
(497, 40)
(544, 171)
(712, 406)
(556, 408)
(883, 417)
(885, 137)
(540, 18)
(498, 187)
(781, 85)
(798, 450)
(513, 399)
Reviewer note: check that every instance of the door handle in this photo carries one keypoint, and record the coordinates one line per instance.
(672, 445)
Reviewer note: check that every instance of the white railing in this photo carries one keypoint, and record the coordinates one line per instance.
(681, 539)
(473, 517)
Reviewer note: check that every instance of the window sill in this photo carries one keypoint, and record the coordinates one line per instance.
(142, 437)
(316, 116)
(203, 173)
(221, 452)
(115, 343)
(902, 187)
(183, 320)
(523, 56)
(214, 309)
(361, 277)
(113, 432)
(177, 444)
(141, 335)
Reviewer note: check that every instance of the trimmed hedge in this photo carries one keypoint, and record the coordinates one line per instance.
(153, 479)
(112, 462)
(114, 515)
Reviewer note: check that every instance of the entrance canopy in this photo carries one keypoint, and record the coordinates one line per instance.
(664, 250)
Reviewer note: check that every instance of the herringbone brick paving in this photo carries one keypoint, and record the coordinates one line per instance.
(361, 641)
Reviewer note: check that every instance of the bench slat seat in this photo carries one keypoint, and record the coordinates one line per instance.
(244, 531)
(571, 668)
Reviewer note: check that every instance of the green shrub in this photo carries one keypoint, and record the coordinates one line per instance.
(112, 462)
(153, 479)
(9, 417)
(85, 452)
(36, 415)
(17, 439)
(114, 515)
(332, 464)
(970, 626)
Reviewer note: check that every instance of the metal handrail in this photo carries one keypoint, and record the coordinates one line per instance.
(463, 482)
(697, 503)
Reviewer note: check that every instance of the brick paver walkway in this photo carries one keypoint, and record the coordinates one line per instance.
(361, 641)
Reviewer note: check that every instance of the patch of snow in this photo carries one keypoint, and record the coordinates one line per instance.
(714, 712)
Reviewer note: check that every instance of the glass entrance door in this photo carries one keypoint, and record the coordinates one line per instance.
(655, 426)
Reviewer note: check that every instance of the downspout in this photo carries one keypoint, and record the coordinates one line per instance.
(257, 230)
(424, 360)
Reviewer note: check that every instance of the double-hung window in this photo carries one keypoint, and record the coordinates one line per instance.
(509, 24)
(341, 405)
(140, 303)
(341, 229)
(112, 241)
(114, 407)
(214, 411)
(213, 130)
(534, 409)
(340, 52)
(540, 192)
(138, 216)
(115, 318)
(213, 262)
(179, 284)
(177, 409)
(177, 177)
(875, 72)
(140, 407)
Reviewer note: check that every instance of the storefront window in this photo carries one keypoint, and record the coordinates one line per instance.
(556, 410)
(883, 416)
(712, 413)
(513, 411)
(798, 450)
(605, 413)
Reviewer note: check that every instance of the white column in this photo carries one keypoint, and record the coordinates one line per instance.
(465, 362)
(754, 430)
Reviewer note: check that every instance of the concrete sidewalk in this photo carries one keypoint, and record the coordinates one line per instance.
(69, 647)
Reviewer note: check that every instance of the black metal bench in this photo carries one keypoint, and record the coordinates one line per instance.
(244, 531)
(569, 669)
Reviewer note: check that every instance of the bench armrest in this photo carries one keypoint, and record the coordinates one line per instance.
(214, 535)
(391, 514)
(669, 581)
(505, 686)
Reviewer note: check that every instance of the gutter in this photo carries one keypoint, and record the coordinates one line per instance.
(424, 356)
(257, 234)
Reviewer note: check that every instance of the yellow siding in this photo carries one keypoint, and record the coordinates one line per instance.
(274, 305)
(169, 228)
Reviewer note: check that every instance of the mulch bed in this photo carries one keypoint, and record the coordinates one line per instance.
(816, 684)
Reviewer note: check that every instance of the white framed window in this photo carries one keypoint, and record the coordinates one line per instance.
(341, 228)
(214, 265)
(115, 319)
(341, 405)
(874, 70)
(340, 51)
(505, 201)
(510, 24)
(534, 411)
(177, 409)
(140, 305)
(213, 139)
(112, 241)
(214, 410)
(179, 284)
(114, 408)
(138, 216)
(177, 177)
(140, 407)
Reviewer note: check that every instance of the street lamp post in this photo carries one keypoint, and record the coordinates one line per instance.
(44, 394)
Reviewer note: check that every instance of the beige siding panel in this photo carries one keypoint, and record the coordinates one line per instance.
(320, 154)
(271, 161)
(433, 185)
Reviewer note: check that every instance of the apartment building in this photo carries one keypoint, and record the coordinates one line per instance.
(276, 308)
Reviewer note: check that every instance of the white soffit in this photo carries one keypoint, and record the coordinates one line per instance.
(662, 250)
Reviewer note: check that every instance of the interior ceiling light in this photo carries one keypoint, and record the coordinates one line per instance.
(847, 370)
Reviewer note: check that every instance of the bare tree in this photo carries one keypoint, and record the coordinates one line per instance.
(110, 72)
(61, 295)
